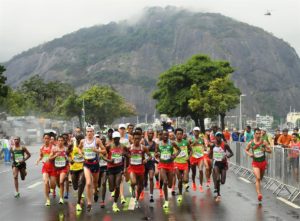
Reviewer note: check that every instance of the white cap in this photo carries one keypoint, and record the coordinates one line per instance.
(196, 128)
(116, 134)
(90, 127)
(169, 121)
(122, 126)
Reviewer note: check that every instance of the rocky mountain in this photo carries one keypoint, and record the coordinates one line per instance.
(130, 56)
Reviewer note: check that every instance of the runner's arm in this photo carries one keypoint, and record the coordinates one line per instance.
(40, 158)
(247, 150)
(28, 155)
(80, 146)
(146, 150)
(177, 148)
(229, 150)
(267, 147)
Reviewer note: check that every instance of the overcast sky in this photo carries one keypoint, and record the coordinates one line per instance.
(28, 23)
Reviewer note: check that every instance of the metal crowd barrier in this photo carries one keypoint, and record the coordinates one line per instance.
(282, 174)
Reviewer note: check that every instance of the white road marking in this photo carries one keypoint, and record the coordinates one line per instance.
(34, 185)
(5, 171)
(245, 180)
(288, 203)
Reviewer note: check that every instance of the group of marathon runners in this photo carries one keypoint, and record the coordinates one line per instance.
(159, 158)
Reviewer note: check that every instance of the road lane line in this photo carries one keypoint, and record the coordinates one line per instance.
(34, 185)
(288, 203)
(5, 171)
(245, 180)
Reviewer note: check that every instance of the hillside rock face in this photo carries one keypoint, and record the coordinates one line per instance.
(130, 58)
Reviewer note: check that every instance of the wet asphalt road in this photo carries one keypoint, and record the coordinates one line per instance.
(238, 203)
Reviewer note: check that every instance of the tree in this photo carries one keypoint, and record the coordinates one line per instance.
(102, 105)
(45, 96)
(3, 86)
(174, 86)
(220, 97)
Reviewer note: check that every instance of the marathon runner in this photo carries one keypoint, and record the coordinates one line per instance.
(115, 166)
(165, 152)
(19, 154)
(181, 162)
(197, 158)
(219, 156)
(59, 155)
(76, 170)
(90, 148)
(49, 174)
(150, 165)
(136, 169)
(258, 153)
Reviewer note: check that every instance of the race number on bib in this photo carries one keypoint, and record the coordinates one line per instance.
(78, 158)
(89, 154)
(117, 158)
(258, 153)
(136, 159)
(102, 163)
(198, 153)
(19, 157)
(165, 156)
(45, 158)
(182, 154)
(60, 162)
(218, 156)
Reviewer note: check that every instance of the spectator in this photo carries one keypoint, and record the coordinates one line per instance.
(284, 139)
(227, 134)
(241, 136)
(235, 135)
(264, 136)
(296, 131)
(248, 134)
(276, 136)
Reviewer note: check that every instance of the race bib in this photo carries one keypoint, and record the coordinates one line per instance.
(136, 159)
(102, 163)
(182, 154)
(45, 158)
(78, 158)
(198, 152)
(117, 158)
(258, 153)
(218, 156)
(89, 154)
(19, 157)
(165, 156)
(60, 162)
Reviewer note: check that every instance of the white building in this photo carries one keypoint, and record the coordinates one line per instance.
(292, 117)
(264, 122)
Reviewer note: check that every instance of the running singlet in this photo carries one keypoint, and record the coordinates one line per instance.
(183, 155)
(89, 154)
(219, 153)
(46, 153)
(18, 154)
(166, 152)
(258, 153)
(198, 150)
(151, 149)
(136, 156)
(61, 160)
(295, 148)
(115, 154)
(78, 160)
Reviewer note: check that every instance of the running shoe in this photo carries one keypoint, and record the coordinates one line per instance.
(82, 196)
(47, 203)
(166, 204)
(142, 195)
(207, 184)
(179, 198)
(218, 198)
(113, 194)
(17, 195)
(123, 200)
(259, 197)
(78, 207)
(201, 188)
(61, 201)
(136, 204)
(115, 207)
(66, 196)
(194, 186)
(102, 204)
(151, 199)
